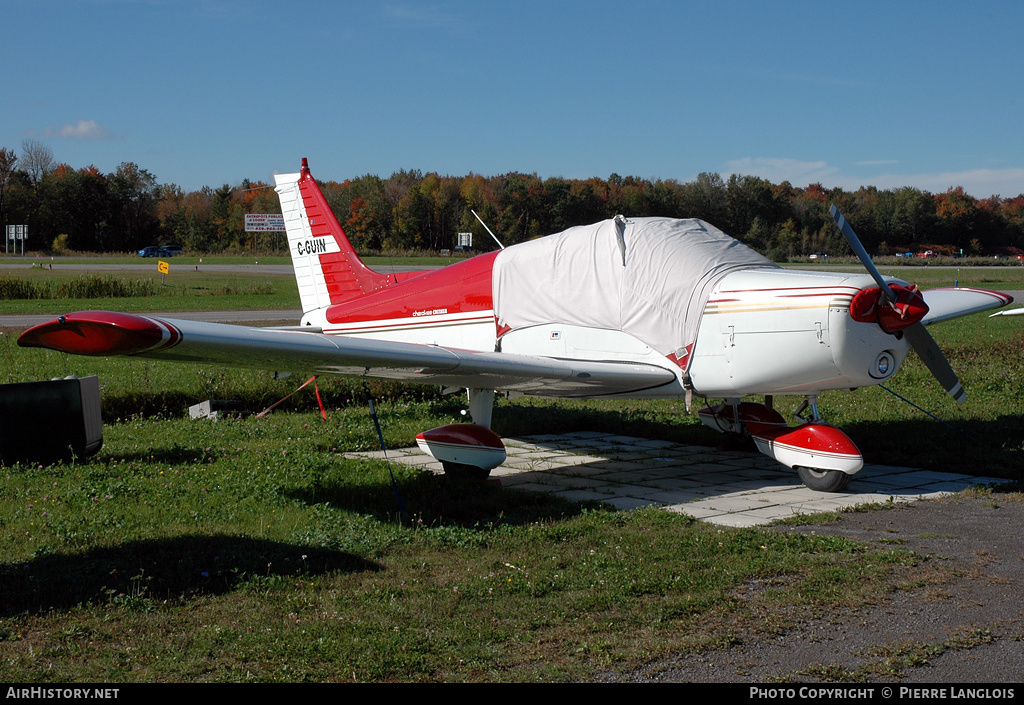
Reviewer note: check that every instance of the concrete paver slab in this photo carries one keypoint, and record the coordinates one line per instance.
(727, 488)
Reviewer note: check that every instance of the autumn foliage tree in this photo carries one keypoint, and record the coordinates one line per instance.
(412, 210)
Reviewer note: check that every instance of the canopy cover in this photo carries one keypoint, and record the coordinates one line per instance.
(649, 277)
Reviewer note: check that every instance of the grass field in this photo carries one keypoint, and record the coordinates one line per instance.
(251, 550)
(929, 277)
(183, 261)
(188, 280)
(183, 290)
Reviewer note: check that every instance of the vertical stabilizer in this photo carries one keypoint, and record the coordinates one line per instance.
(327, 269)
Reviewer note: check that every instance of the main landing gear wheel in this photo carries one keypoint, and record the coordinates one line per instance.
(823, 480)
(461, 471)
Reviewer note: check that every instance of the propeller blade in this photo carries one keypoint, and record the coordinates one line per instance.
(862, 254)
(917, 335)
(931, 355)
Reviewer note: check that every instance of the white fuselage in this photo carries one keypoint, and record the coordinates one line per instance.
(789, 332)
(763, 331)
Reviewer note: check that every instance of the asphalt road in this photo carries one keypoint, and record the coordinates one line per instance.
(954, 616)
(143, 265)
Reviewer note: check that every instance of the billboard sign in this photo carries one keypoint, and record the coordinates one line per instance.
(264, 222)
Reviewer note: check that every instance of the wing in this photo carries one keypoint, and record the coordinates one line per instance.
(952, 302)
(109, 333)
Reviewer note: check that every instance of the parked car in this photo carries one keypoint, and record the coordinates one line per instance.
(151, 251)
(170, 250)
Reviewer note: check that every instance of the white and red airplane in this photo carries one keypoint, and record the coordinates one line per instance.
(641, 308)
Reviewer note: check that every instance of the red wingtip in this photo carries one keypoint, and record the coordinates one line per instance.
(100, 333)
(304, 172)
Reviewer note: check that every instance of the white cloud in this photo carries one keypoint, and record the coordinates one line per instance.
(82, 130)
(980, 183)
(422, 16)
(794, 171)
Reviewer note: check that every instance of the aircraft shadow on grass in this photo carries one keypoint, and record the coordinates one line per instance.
(135, 572)
(432, 501)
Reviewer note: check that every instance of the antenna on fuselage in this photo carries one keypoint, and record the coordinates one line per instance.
(487, 229)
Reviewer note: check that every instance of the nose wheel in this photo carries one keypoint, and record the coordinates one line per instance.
(823, 480)
(823, 456)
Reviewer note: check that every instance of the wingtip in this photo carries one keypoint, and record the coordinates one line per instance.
(99, 333)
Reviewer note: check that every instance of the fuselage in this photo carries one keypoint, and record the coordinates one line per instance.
(451, 307)
(762, 331)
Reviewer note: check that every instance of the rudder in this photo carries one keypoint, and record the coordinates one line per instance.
(327, 268)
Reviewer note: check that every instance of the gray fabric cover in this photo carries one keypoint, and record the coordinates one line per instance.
(649, 277)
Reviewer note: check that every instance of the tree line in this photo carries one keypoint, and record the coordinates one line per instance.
(83, 209)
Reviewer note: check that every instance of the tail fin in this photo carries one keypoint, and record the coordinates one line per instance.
(327, 268)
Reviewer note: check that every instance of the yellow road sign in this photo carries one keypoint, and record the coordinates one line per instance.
(163, 267)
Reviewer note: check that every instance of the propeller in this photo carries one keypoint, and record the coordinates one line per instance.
(900, 299)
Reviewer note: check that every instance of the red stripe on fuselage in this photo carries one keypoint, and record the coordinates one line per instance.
(464, 287)
(409, 324)
(789, 293)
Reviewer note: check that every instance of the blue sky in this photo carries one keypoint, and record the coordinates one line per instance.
(208, 92)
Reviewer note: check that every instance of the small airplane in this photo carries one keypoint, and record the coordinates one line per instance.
(627, 308)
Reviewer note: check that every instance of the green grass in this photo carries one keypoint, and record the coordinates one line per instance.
(181, 290)
(187, 260)
(38, 260)
(932, 276)
(188, 286)
(252, 550)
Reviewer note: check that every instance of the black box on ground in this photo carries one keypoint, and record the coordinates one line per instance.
(47, 422)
